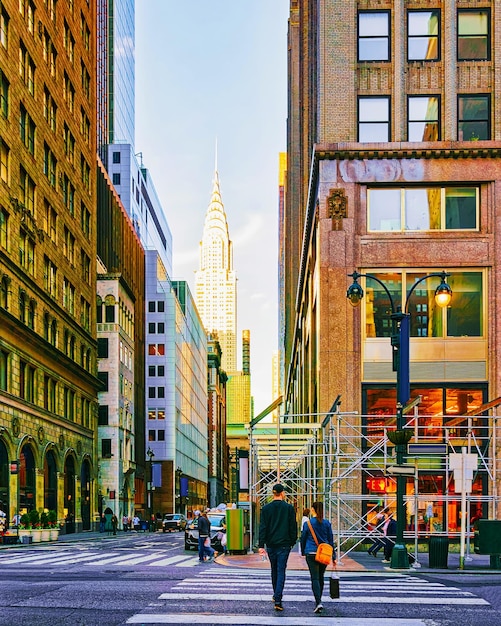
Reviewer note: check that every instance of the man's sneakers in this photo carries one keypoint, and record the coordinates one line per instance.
(319, 608)
(278, 606)
(385, 561)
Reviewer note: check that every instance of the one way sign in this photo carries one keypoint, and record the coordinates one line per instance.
(405, 470)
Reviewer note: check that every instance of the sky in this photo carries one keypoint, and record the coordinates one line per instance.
(212, 71)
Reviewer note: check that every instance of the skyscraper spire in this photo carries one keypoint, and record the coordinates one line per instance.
(215, 280)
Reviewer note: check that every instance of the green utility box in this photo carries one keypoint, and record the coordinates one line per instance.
(489, 537)
(237, 540)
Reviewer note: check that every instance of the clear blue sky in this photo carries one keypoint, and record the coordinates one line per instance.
(208, 69)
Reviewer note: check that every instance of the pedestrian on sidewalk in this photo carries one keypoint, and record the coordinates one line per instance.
(278, 532)
(204, 547)
(323, 532)
(390, 533)
(377, 539)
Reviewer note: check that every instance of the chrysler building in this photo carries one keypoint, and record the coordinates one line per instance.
(215, 280)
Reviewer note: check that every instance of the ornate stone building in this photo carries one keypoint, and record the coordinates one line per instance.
(48, 382)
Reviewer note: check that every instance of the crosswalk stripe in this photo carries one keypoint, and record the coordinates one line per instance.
(264, 620)
(249, 597)
(175, 559)
(127, 559)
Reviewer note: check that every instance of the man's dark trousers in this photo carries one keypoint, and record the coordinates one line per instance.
(278, 561)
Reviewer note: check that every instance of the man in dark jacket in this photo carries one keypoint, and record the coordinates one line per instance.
(278, 531)
(203, 536)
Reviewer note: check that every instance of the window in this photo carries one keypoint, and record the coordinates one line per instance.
(27, 129)
(85, 77)
(109, 313)
(4, 95)
(103, 377)
(473, 118)
(152, 370)
(474, 35)
(50, 394)
(160, 306)
(69, 245)
(156, 349)
(50, 221)
(4, 292)
(85, 220)
(4, 27)
(106, 449)
(26, 69)
(116, 157)
(85, 266)
(4, 231)
(69, 144)
(463, 318)
(152, 435)
(116, 179)
(4, 161)
(373, 119)
(27, 185)
(27, 252)
(427, 208)
(68, 92)
(26, 381)
(49, 276)
(374, 36)
(160, 328)
(160, 392)
(49, 164)
(161, 370)
(4, 361)
(102, 415)
(152, 392)
(151, 306)
(84, 314)
(151, 327)
(68, 296)
(423, 28)
(84, 126)
(85, 32)
(160, 435)
(102, 348)
(423, 123)
(49, 109)
(85, 173)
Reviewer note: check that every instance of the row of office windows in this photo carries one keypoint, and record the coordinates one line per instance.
(44, 391)
(424, 118)
(422, 208)
(473, 37)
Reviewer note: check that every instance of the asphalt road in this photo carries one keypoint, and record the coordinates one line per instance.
(150, 579)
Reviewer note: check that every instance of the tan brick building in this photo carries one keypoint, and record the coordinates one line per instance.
(393, 170)
(48, 383)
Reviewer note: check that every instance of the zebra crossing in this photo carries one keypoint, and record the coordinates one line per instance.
(252, 588)
(123, 557)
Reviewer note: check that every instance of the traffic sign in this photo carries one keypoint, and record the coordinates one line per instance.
(405, 470)
(423, 449)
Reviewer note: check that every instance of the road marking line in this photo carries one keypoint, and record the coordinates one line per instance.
(127, 560)
(268, 620)
(246, 597)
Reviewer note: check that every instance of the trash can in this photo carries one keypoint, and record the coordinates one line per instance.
(235, 531)
(438, 552)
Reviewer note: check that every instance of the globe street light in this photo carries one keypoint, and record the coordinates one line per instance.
(400, 341)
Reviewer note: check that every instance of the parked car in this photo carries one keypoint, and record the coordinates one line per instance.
(173, 521)
(216, 526)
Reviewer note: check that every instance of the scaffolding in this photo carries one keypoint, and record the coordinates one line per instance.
(334, 456)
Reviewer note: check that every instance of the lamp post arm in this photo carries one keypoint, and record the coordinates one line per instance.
(356, 276)
(441, 275)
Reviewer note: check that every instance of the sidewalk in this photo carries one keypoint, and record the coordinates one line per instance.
(354, 562)
(363, 562)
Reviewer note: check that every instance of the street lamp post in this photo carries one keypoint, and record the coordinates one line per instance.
(150, 454)
(400, 341)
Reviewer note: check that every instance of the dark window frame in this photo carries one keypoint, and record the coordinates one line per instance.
(362, 38)
(487, 35)
(415, 37)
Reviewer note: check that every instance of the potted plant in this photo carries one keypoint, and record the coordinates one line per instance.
(44, 523)
(25, 528)
(36, 530)
(54, 528)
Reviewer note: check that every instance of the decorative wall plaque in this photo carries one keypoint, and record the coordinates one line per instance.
(337, 207)
(61, 440)
(40, 434)
(16, 428)
(79, 447)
